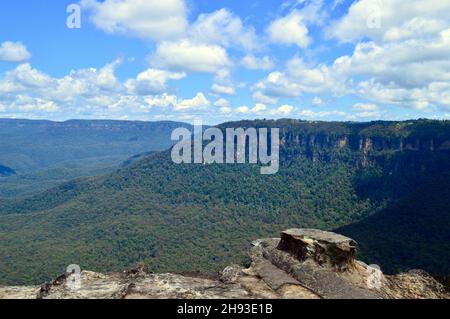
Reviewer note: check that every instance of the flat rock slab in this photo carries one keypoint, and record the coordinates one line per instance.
(323, 281)
(319, 235)
(273, 276)
(323, 247)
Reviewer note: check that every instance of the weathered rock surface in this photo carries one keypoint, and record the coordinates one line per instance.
(303, 264)
(324, 248)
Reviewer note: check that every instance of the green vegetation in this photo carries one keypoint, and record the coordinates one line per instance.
(413, 233)
(45, 154)
(202, 218)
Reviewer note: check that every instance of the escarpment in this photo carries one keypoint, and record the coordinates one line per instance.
(302, 264)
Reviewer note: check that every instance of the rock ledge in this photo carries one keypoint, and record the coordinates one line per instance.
(302, 264)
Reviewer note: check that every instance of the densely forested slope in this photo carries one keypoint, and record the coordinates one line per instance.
(201, 217)
(413, 233)
(45, 154)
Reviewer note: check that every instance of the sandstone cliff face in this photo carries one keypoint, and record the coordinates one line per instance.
(303, 264)
(412, 152)
(364, 143)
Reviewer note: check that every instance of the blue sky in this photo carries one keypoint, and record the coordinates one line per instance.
(226, 60)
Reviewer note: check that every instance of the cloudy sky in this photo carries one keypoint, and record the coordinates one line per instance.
(225, 60)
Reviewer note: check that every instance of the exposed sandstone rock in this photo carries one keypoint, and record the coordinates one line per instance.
(303, 264)
(324, 247)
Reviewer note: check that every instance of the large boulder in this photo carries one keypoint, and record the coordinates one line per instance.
(327, 249)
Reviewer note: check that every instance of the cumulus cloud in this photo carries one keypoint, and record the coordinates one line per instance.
(257, 109)
(365, 107)
(404, 61)
(23, 78)
(298, 78)
(254, 63)
(26, 103)
(91, 93)
(222, 103)
(152, 81)
(148, 19)
(310, 114)
(26, 89)
(283, 110)
(317, 101)
(85, 83)
(259, 97)
(223, 89)
(367, 110)
(199, 101)
(380, 19)
(164, 101)
(14, 52)
(180, 46)
(223, 28)
(223, 84)
(188, 56)
(226, 110)
(289, 30)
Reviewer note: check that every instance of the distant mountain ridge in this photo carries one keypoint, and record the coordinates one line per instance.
(38, 144)
(198, 217)
(45, 153)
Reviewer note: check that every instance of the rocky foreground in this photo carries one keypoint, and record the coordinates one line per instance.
(303, 264)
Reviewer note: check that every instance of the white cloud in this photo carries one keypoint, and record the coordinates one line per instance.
(243, 109)
(226, 110)
(91, 93)
(366, 107)
(223, 84)
(380, 19)
(413, 72)
(411, 63)
(323, 114)
(405, 62)
(416, 27)
(257, 109)
(367, 110)
(164, 101)
(199, 101)
(283, 110)
(317, 101)
(436, 93)
(14, 52)
(253, 63)
(188, 56)
(223, 89)
(289, 30)
(313, 11)
(28, 90)
(299, 78)
(152, 81)
(223, 28)
(259, 97)
(26, 103)
(24, 78)
(148, 19)
(86, 83)
(222, 103)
